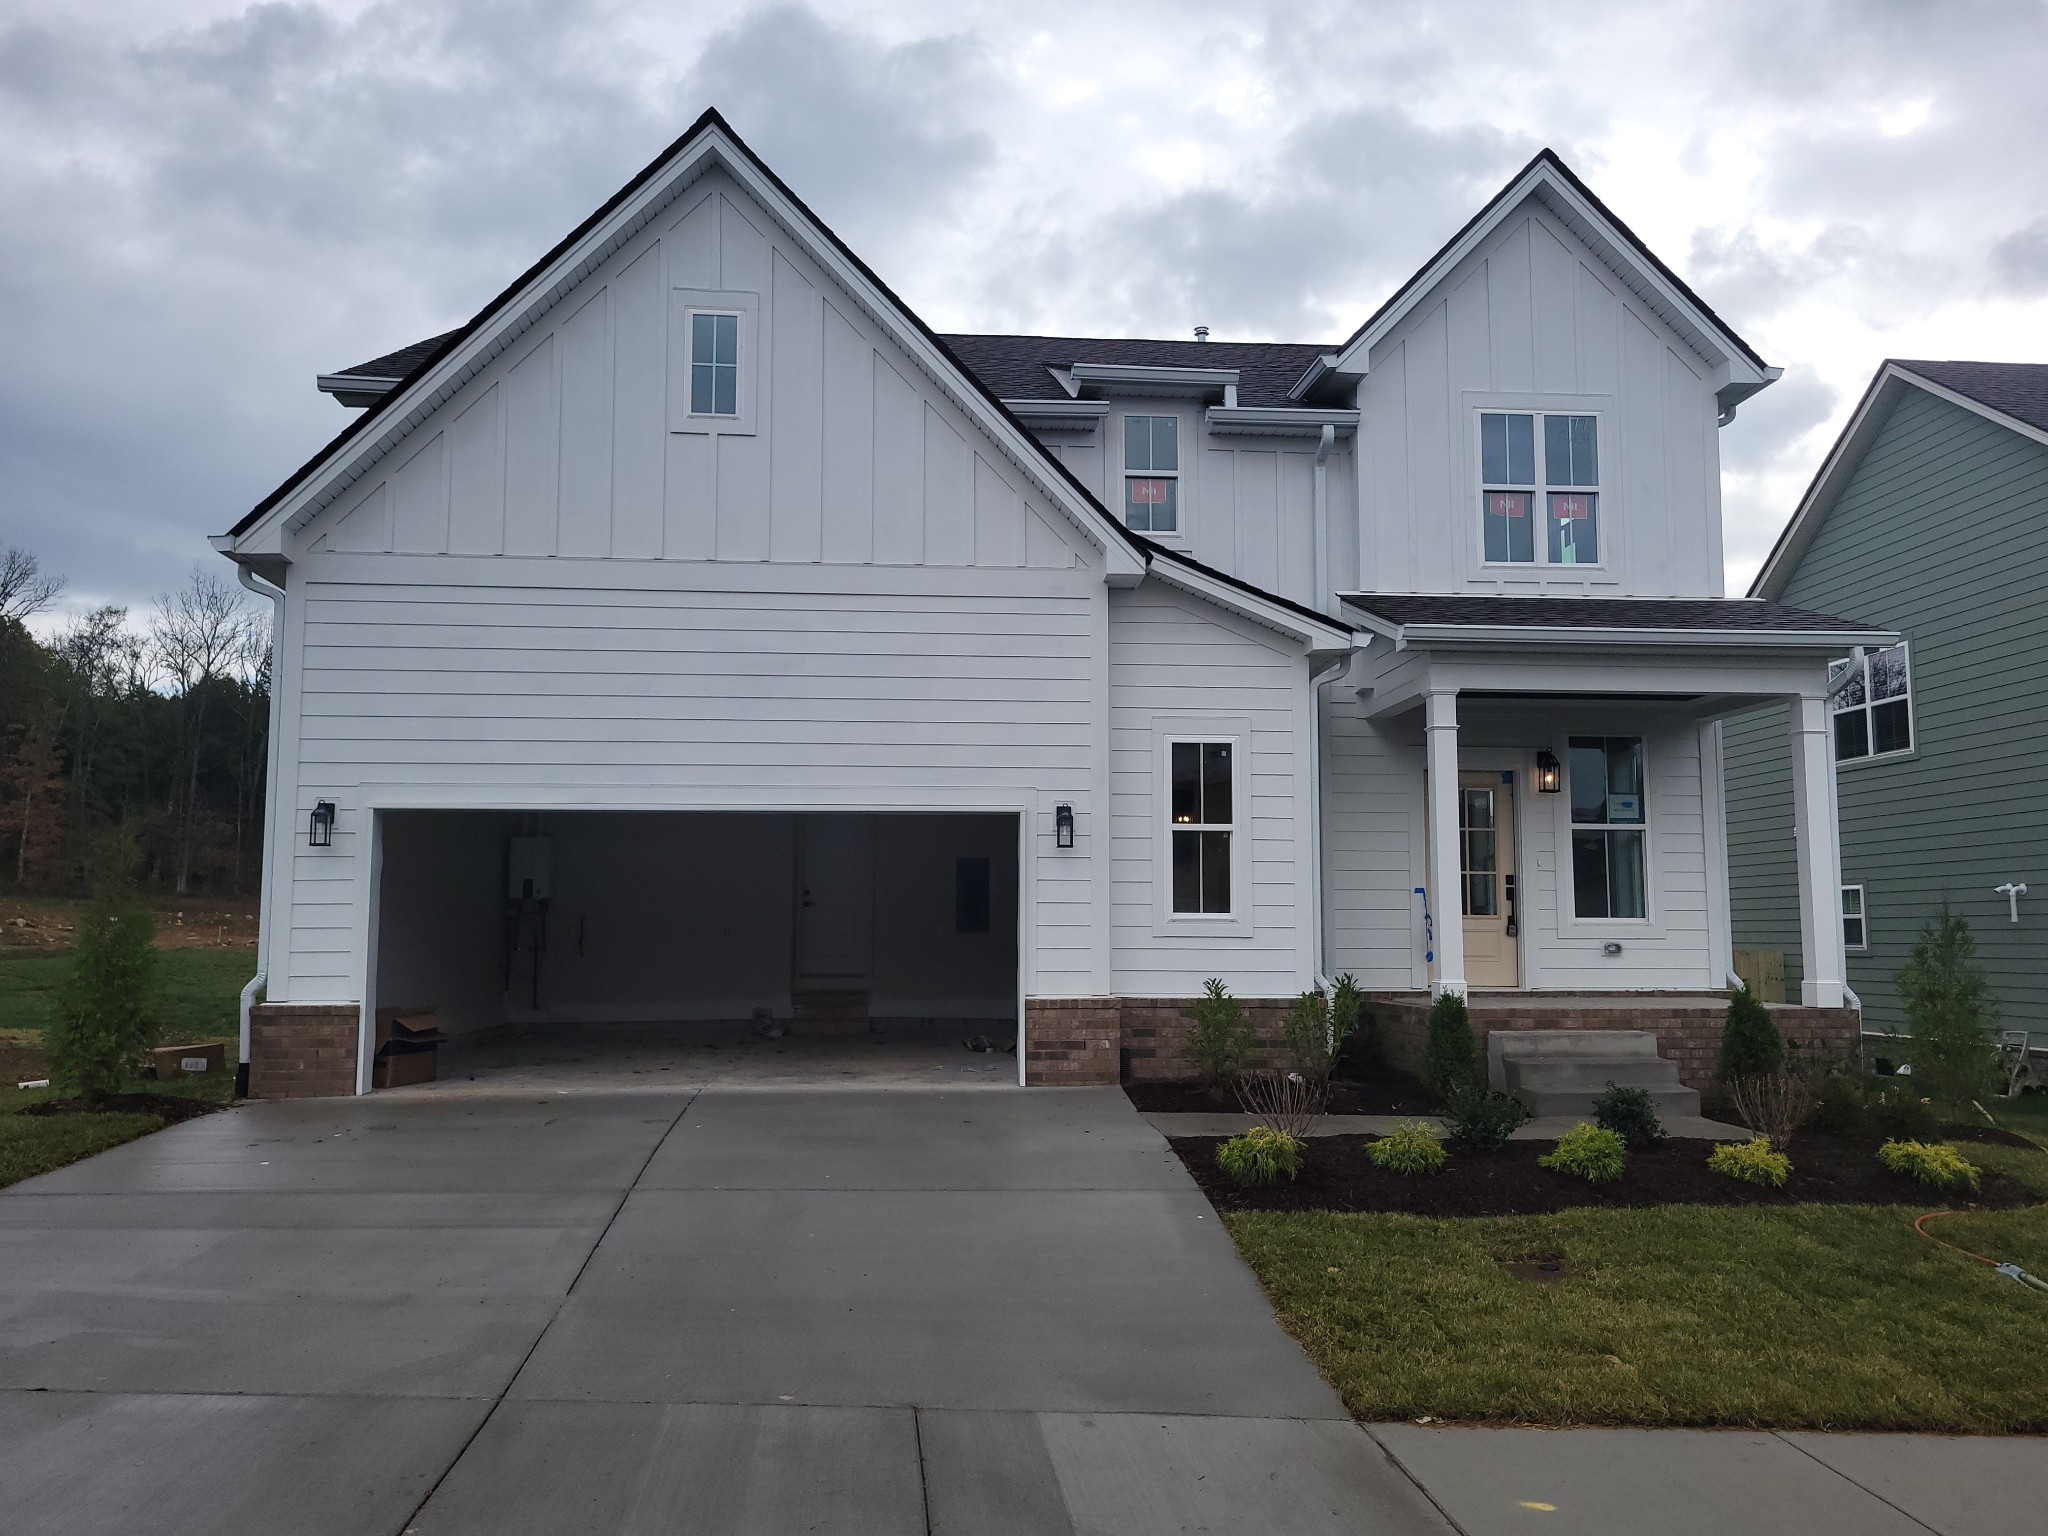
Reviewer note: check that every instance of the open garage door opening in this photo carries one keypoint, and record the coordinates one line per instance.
(631, 942)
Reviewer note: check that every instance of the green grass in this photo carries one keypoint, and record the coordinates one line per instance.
(2027, 1114)
(1822, 1316)
(38, 1144)
(197, 990)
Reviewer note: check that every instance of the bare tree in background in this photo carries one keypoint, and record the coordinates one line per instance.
(26, 588)
(196, 637)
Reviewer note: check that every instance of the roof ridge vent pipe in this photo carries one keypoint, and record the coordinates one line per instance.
(262, 588)
(1201, 333)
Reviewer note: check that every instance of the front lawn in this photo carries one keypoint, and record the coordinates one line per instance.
(197, 990)
(1818, 1316)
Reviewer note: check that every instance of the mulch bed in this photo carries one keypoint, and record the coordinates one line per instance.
(1337, 1176)
(170, 1108)
(1383, 1095)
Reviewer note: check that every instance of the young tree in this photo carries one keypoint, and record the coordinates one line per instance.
(1220, 1044)
(1750, 1043)
(104, 1019)
(1451, 1063)
(1950, 1013)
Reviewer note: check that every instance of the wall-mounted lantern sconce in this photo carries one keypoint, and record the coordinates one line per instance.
(1549, 776)
(1063, 826)
(320, 832)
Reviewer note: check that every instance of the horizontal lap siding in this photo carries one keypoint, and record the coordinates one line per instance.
(893, 697)
(1372, 813)
(1179, 666)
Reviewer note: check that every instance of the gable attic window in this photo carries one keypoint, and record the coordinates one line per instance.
(1152, 474)
(714, 364)
(1561, 458)
(1873, 707)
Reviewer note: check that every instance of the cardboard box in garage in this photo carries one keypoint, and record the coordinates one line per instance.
(189, 1060)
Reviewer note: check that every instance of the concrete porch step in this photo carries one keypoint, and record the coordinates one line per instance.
(1561, 1072)
(1592, 1073)
(1672, 1103)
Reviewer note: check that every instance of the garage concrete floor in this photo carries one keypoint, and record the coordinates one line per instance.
(749, 1308)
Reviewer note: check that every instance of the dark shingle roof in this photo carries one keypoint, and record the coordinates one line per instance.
(1015, 366)
(396, 365)
(1693, 613)
(2018, 390)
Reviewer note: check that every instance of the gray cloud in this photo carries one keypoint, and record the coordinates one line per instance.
(2019, 261)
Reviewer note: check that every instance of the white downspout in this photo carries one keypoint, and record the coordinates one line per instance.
(262, 588)
(1326, 600)
(1318, 960)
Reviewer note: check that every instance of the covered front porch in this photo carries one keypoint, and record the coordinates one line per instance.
(1572, 836)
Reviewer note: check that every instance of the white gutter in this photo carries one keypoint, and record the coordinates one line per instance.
(1837, 641)
(262, 588)
(1325, 598)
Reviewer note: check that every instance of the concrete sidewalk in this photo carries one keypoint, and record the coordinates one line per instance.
(762, 1309)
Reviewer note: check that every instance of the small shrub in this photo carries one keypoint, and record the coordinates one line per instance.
(1261, 1155)
(103, 1024)
(1751, 1161)
(1347, 1017)
(1450, 1056)
(1484, 1118)
(1307, 1032)
(1413, 1147)
(1936, 1163)
(1840, 1105)
(1950, 1014)
(1285, 1102)
(1896, 1111)
(1631, 1114)
(1772, 1104)
(1588, 1152)
(1220, 1044)
(1750, 1042)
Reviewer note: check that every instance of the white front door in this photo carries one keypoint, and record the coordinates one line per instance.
(1488, 890)
(835, 901)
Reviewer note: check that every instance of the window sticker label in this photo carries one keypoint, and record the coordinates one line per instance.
(1508, 503)
(1148, 493)
(1571, 507)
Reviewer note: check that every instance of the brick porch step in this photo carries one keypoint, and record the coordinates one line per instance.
(1561, 1072)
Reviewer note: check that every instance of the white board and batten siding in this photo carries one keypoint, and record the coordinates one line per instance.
(1533, 321)
(562, 591)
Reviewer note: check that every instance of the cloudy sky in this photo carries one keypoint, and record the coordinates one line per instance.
(204, 203)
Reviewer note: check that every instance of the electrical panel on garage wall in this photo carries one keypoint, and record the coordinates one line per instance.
(527, 862)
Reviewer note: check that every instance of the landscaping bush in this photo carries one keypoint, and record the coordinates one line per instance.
(1750, 1042)
(1848, 1104)
(1751, 1161)
(1306, 1030)
(1588, 1152)
(1772, 1104)
(1935, 1163)
(1285, 1102)
(1839, 1105)
(1413, 1147)
(1484, 1118)
(1220, 1044)
(1260, 1156)
(1450, 1055)
(1630, 1113)
(1348, 1019)
(103, 1022)
(1950, 1013)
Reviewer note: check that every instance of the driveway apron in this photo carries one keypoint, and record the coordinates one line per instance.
(737, 1309)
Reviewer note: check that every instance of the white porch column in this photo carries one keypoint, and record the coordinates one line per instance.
(1440, 719)
(1825, 967)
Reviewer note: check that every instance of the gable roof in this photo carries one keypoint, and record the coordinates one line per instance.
(1740, 369)
(444, 363)
(1020, 367)
(2013, 395)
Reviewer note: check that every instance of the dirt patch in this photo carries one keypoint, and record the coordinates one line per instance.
(168, 1107)
(1986, 1135)
(1337, 1176)
(182, 922)
(1379, 1096)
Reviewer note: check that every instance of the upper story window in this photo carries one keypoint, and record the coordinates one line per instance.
(714, 364)
(1202, 823)
(1608, 820)
(1152, 474)
(1873, 706)
(1527, 454)
(1855, 929)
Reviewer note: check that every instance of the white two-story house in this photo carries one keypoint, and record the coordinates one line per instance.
(694, 634)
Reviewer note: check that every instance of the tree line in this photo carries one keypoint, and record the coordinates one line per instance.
(146, 729)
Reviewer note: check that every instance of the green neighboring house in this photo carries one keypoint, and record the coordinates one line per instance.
(1929, 517)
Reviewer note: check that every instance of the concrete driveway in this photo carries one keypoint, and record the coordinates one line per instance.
(734, 1309)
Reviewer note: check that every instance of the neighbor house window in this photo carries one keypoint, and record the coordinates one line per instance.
(1203, 822)
(1152, 474)
(714, 365)
(1855, 933)
(1608, 819)
(1874, 707)
(1535, 464)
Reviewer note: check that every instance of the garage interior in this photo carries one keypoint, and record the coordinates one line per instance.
(638, 932)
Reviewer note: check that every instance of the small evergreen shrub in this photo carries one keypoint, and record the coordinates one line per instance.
(1840, 1107)
(1936, 1163)
(1220, 1044)
(1450, 1055)
(1631, 1114)
(1751, 1161)
(103, 1024)
(1261, 1155)
(1896, 1111)
(1411, 1148)
(1588, 1152)
(1750, 1043)
(1950, 1013)
(1307, 1031)
(1347, 1016)
(1484, 1118)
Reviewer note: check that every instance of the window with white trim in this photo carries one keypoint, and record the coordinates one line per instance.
(1527, 454)
(1152, 474)
(1608, 822)
(1855, 929)
(1202, 824)
(714, 364)
(1873, 704)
